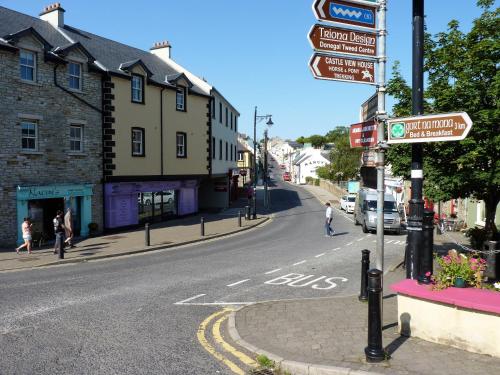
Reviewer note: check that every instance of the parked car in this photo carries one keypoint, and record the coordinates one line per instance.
(347, 203)
(286, 176)
(168, 197)
(365, 211)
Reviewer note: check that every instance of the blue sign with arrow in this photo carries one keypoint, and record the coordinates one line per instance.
(352, 13)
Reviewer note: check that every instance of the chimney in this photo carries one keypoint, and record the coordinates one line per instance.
(162, 50)
(53, 14)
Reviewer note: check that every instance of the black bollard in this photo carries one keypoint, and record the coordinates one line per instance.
(374, 351)
(365, 265)
(202, 226)
(426, 267)
(247, 212)
(146, 234)
(60, 245)
(239, 218)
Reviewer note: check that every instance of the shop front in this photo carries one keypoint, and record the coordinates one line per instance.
(132, 203)
(40, 204)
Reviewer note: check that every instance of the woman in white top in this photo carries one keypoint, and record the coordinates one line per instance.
(26, 229)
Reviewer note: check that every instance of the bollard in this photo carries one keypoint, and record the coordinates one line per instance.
(365, 265)
(60, 245)
(146, 234)
(247, 212)
(239, 218)
(426, 260)
(202, 226)
(374, 351)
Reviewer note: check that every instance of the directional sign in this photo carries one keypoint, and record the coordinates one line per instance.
(432, 128)
(363, 134)
(343, 41)
(346, 12)
(339, 68)
(369, 108)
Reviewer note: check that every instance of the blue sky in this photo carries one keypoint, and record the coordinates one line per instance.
(255, 52)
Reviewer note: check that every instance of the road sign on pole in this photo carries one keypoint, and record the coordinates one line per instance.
(431, 128)
(363, 134)
(343, 41)
(339, 68)
(369, 108)
(361, 14)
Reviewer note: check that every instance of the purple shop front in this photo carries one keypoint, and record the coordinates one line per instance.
(121, 205)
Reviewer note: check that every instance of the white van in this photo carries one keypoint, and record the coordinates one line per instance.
(365, 211)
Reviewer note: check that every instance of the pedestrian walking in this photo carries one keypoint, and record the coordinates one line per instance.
(250, 193)
(328, 220)
(68, 227)
(59, 232)
(26, 228)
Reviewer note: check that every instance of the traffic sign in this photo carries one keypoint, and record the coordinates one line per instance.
(343, 41)
(369, 108)
(362, 14)
(339, 68)
(431, 128)
(363, 134)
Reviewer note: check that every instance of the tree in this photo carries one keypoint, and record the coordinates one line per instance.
(462, 76)
(338, 132)
(301, 140)
(345, 161)
(317, 140)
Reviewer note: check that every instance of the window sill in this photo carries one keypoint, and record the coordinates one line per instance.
(32, 83)
(31, 152)
(77, 153)
(76, 91)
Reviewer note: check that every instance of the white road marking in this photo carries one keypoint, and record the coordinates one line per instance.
(349, 244)
(374, 241)
(215, 303)
(273, 271)
(189, 299)
(319, 255)
(337, 248)
(298, 280)
(389, 241)
(238, 282)
(302, 261)
(361, 239)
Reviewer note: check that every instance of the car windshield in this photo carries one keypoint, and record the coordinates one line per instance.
(351, 199)
(388, 206)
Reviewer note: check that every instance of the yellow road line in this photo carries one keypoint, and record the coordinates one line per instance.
(218, 337)
(209, 348)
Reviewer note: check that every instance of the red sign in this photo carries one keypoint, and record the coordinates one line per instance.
(343, 41)
(346, 12)
(363, 134)
(339, 68)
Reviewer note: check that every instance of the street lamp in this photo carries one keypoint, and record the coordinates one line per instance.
(268, 123)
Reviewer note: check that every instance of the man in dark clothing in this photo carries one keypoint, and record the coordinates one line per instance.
(59, 232)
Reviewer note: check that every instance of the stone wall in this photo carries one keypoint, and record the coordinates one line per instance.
(53, 110)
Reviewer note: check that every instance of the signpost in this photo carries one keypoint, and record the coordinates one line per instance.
(431, 128)
(343, 41)
(355, 13)
(363, 134)
(339, 68)
(368, 109)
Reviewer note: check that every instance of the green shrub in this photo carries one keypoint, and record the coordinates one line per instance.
(316, 182)
(477, 237)
(309, 180)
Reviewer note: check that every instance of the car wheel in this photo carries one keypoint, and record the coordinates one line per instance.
(365, 228)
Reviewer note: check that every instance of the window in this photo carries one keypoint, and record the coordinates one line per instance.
(226, 150)
(231, 120)
(27, 63)
(137, 89)
(227, 118)
(180, 99)
(231, 153)
(137, 142)
(213, 147)
(213, 108)
(29, 135)
(235, 123)
(220, 113)
(75, 76)
(76, 138)
(181, 145)
(220, 149)
(240, 155)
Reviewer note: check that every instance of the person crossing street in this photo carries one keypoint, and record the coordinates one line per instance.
(328, 220)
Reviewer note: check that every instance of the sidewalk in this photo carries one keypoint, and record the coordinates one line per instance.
(162, 235)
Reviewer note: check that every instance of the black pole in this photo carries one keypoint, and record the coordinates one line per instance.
(426, 266)
(239, 218)
(202, 226)
(415, 241)
(365, 265)
(254, 198)
(146, 234)
(374, 351)
(60, 245)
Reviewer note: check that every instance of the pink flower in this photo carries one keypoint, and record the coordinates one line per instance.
(473, 267)
(473, 260)
(427, 274)
(447, 259)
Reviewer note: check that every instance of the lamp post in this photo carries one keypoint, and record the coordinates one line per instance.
(268, 123)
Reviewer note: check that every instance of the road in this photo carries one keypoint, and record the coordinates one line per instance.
(140, 314)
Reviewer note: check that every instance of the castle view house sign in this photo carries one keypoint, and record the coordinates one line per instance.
(431, 128)
(339, 68)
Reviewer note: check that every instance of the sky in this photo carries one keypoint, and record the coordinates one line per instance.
(256, 53)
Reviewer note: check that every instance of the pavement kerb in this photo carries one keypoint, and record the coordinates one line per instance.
(265, 220)
(296, 368)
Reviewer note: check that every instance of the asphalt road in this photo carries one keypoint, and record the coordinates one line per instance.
(140, 314)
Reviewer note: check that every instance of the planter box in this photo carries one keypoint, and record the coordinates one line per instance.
(467, 319)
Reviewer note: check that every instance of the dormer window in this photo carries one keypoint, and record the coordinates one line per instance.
(27, 64)
(137, 89)
(180, 99)
(75, 76)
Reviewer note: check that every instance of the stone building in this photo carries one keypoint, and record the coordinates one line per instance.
(51, 126)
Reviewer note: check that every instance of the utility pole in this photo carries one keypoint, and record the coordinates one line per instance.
(266, 201)
(415, 219)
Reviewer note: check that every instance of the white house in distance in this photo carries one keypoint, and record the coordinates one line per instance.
(306, 163)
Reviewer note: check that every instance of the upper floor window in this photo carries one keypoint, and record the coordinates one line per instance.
(213, 147)
(231, 152)
(213, 108)
(29, 136)
(220, 149)
(232, 120)
(27, 63)
(137, 142)
(180, 99)
(235, 123)
(227, 118)
(226, 151)
(240, 155)
(137, 89)
(76, 138)
(181, 145)
(220, 113)
(75, 76)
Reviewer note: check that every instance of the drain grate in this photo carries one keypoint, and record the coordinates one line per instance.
(264, 371)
